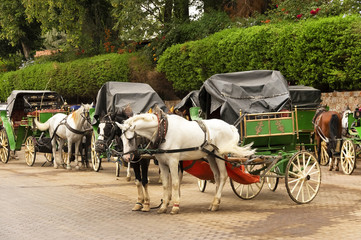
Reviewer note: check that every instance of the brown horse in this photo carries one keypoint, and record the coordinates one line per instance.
(328, 128)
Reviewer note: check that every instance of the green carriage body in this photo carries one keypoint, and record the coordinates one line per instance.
(17, 118)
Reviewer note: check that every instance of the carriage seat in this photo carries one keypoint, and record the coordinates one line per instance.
(18, 118)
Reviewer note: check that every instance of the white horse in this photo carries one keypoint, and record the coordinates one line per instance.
(183, 134)
(67, 127)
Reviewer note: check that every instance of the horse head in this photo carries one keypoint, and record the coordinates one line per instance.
(134, 132)
(109, 130)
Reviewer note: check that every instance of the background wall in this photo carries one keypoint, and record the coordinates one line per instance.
(338, 101)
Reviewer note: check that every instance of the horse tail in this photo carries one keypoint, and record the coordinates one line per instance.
(334, 129)
(232, 146)
(42, 126)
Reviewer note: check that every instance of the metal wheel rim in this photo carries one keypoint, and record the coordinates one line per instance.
(5, 147)
(303, 177)
(348, 157)
(96, 161)
(324, 159)
(48, 157)
(30, 153)
(272, 182)
(247, 191)
(202, 185)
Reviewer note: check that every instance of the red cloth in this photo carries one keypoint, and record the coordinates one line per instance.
(202, 170)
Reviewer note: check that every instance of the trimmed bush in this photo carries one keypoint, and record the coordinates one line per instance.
(81, 77)
(324, 53)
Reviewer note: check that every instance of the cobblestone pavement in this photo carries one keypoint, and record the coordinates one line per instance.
(46, 203)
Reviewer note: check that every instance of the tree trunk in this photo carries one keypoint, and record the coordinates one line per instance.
(26, 49)
(181, 10)
(168, 6)
(212, 5)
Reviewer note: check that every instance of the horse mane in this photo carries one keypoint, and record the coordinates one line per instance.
(76, 114)
(148, 117)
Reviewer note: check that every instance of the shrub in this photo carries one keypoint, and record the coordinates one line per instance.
(81, 77)
(324, 53)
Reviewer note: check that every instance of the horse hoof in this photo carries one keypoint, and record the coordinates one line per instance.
(215, 207)
(137, 207)
(162, 210)
(337, 169)
(68, 167)
(77, 167)
(146, 207)
(56, 167)
(129, 178)
(175, 210)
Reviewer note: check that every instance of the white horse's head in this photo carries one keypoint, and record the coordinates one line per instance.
(345, 118)
(129, 140)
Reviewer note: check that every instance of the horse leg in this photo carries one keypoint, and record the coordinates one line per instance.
(144, 168)
(53, 146)
(77, 163)
(61, 145)
(129, 175)
(70, 150)
(337, 161)
(138, 182)
(164, 172)
(220, 172)
(330, 165)
(174, 172)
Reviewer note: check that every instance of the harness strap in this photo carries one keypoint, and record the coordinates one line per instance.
(76, 131)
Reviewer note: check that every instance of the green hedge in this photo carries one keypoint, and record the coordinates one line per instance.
(324, 53)
(81, 77)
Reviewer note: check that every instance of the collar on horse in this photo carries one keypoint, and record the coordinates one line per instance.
(162, 129)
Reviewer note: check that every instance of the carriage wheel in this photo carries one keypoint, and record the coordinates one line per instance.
(30, 153)
(4, 146)
(324, 159)
(348, 157)
(248, 191)
(303, 177)
(202, 184)
(272, 182)
(95, 157)
(48, 157)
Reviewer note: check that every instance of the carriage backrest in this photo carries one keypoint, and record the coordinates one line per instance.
(269, 129)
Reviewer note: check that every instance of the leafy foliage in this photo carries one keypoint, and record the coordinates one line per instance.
(81, 77)
(322, 53)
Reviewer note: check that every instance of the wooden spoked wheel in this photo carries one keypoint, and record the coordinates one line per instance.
(272, 181)
(348, 157)
(248, 191)
(202, 184)
(303, 177)
(4, 146)
(324, 159)
(95, 157)
(30, 153)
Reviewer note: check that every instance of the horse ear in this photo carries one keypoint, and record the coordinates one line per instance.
(158, 110)
(121, 126)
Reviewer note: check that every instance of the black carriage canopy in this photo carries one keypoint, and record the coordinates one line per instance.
(191, 100)
(305, 97)
(30, 100)
(113, 96)
(224, 95)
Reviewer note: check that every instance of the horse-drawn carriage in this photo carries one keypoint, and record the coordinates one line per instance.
(112, 98)
(351, 142)
(276, 118)
(17, 122)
